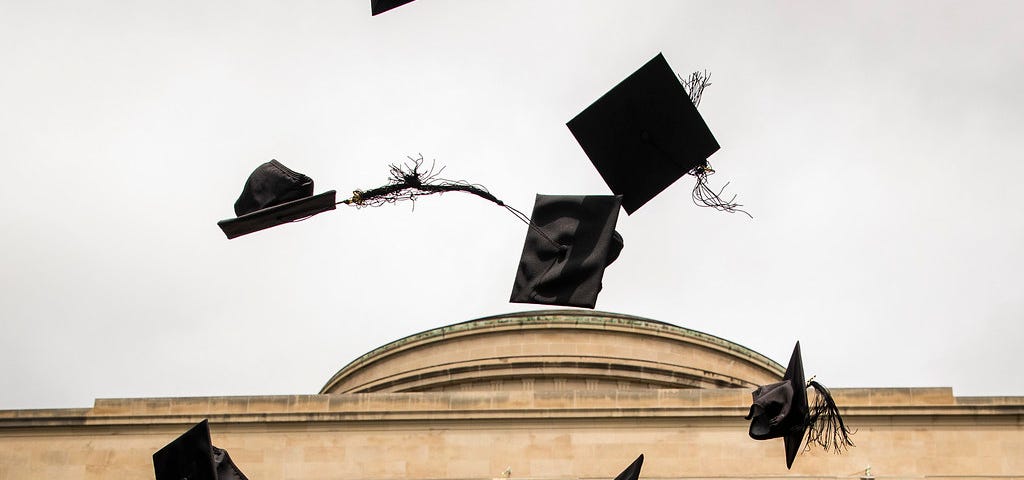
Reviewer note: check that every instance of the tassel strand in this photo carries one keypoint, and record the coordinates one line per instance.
(826, 427)
(410, 181)
(704, 196)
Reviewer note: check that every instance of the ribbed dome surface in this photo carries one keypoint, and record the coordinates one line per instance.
(555, 350)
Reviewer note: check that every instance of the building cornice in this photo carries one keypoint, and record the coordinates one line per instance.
(861, 407)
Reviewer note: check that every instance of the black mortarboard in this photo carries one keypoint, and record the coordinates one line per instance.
(644, 134)
(193, 457)
(570, 241)
(274, 194)
(381, 6)
(632, 472)
(781, 410)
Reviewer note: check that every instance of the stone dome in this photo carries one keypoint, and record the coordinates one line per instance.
(555, 350)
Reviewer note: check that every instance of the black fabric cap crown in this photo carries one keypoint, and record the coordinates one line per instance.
(272, 184)
(632, 472)
(274, 194)
(563, 263)
(644, 134)
(381, 6)
(193, 457)
(781, 409)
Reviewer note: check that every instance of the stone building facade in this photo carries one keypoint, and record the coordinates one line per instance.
(552, 395)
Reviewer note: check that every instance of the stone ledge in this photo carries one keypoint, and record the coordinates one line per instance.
(869, 406)
(990, 400)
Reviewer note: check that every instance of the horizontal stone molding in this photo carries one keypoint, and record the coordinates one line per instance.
(862, 408)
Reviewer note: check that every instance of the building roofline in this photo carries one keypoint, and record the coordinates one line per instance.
(553, 317)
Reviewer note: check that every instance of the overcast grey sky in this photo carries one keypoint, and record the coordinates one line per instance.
(877, 144)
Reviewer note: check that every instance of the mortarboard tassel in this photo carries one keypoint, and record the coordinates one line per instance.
(825, 424)
(410, 181)
(695, 85)
(703, 195)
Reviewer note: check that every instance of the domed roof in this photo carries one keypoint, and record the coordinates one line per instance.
(555, 350)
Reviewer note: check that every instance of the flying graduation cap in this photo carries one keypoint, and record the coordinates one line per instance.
(569, 243)
(646, 133)
(781, 410)
(273, 195)
(380, 6)
(632, 472)
(192, 456)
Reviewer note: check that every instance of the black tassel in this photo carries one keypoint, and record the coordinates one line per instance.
(412, 180)
(825, 424)
(704, 196)
(407, 182)
(695, 85)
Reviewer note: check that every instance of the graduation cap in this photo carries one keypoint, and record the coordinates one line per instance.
(570, 241)
(781, 410)
(193, 457)
(380, 6)
(646, 133)
(273, 195)
(632, 472)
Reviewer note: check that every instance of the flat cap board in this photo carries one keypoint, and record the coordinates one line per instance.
(380, 6)
(644, 134)
(190, 456)
(632, 472)
(278, 214)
